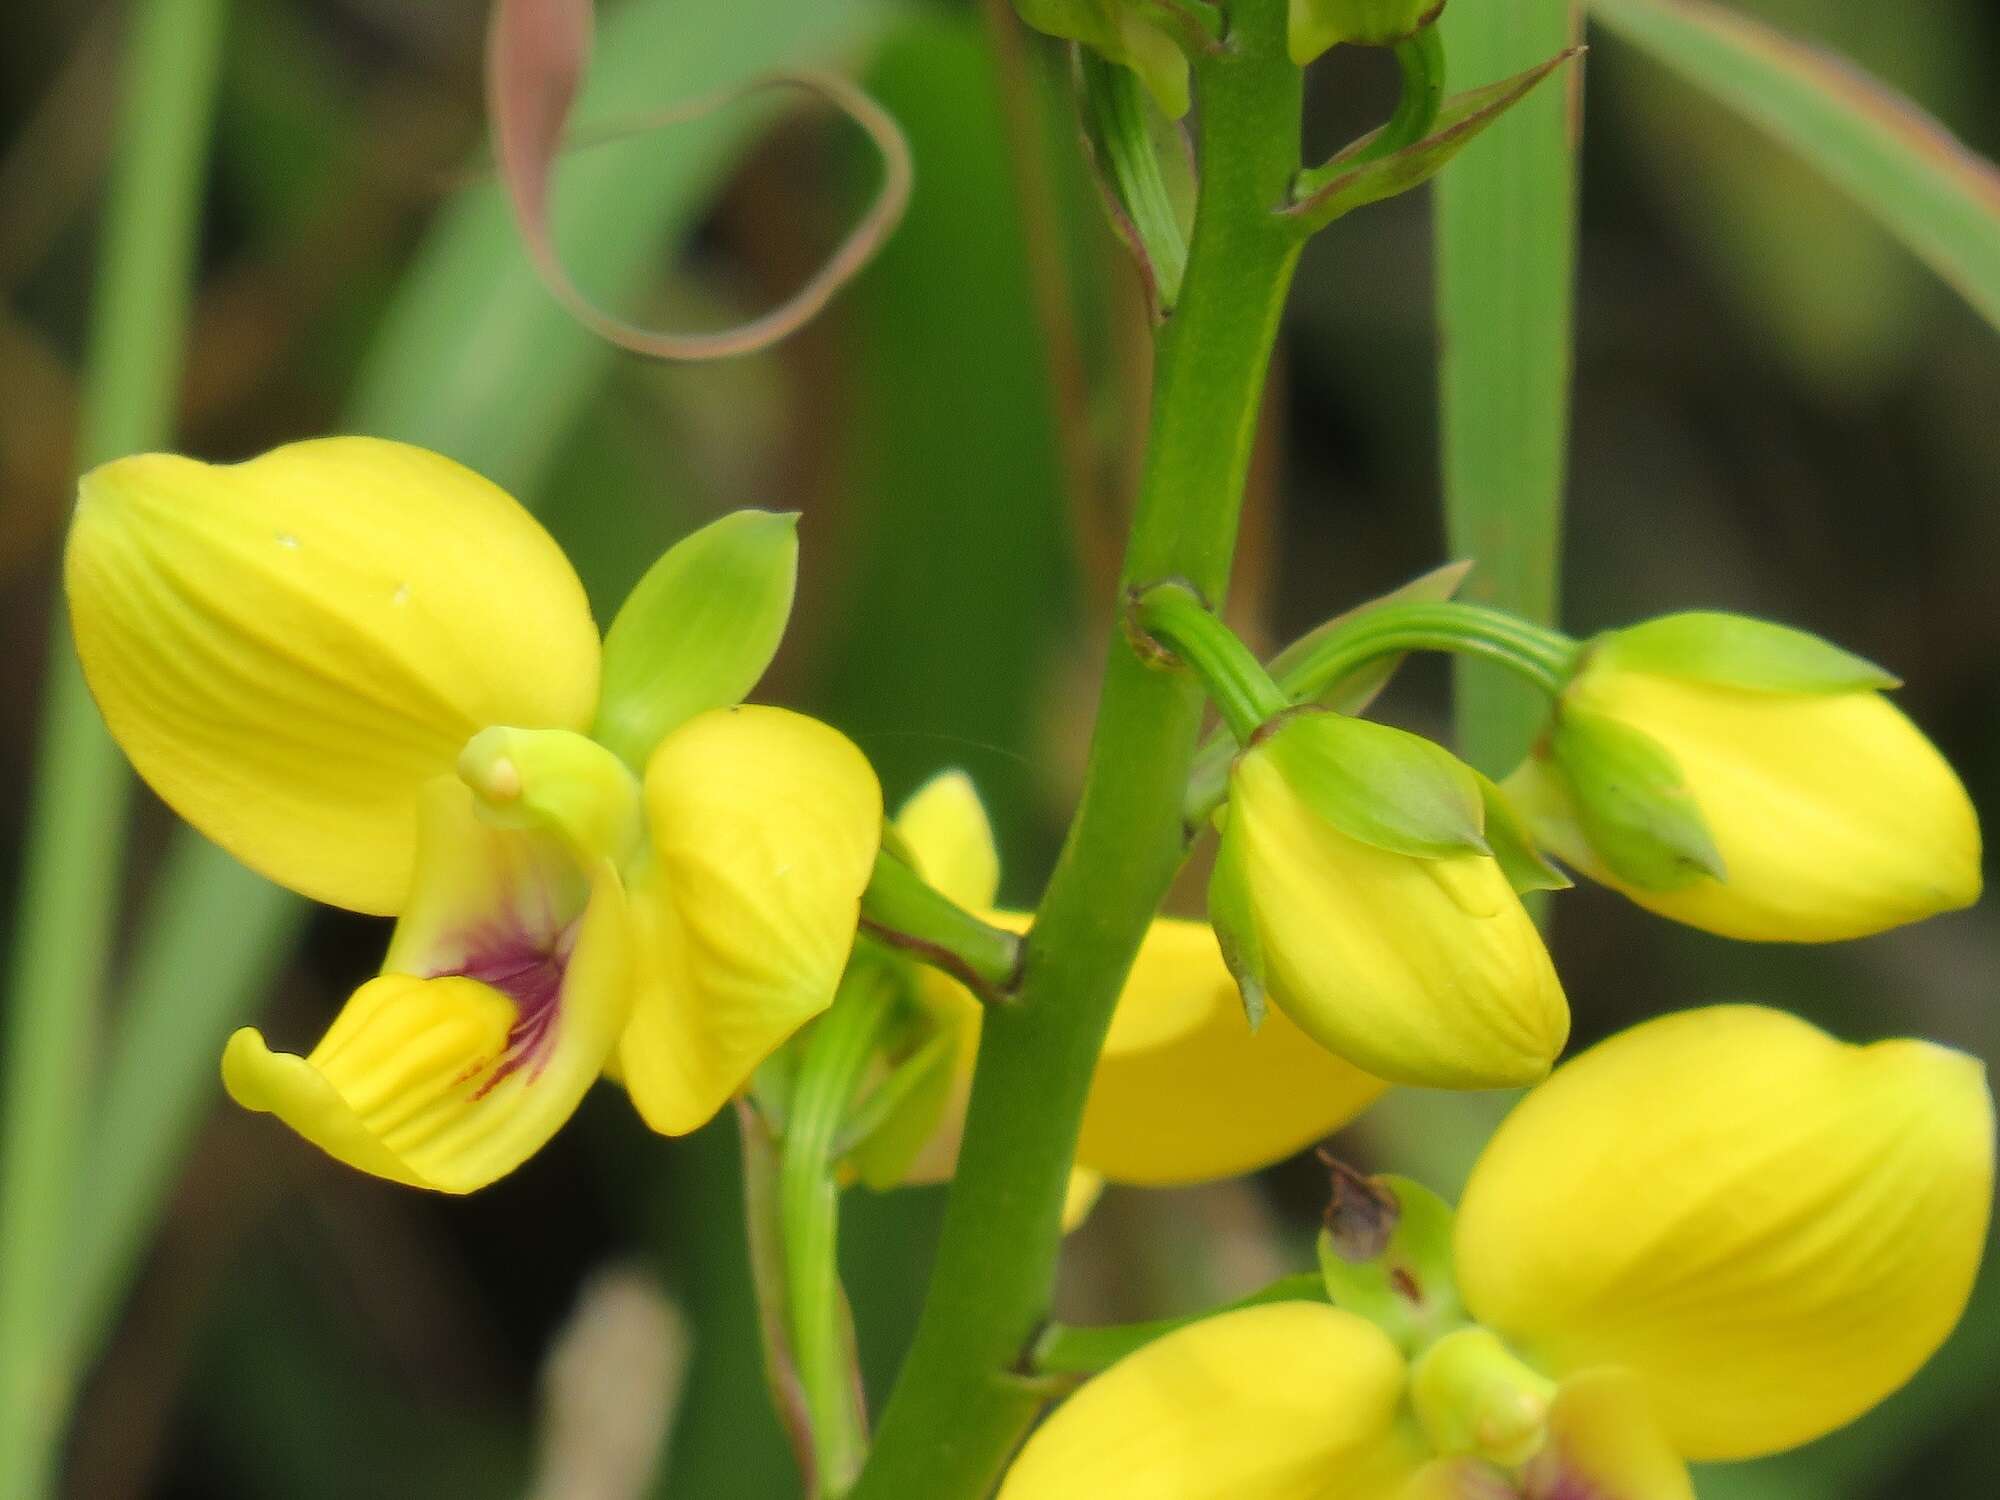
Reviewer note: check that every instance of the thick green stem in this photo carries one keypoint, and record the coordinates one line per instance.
(75, 839)
(961, 1404)
(829, 1074)
(1172, 615)
(901, 909)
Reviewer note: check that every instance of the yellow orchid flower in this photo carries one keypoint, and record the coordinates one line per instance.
(1184, 1090)
(1718, 1235)
(1355, 886)
(369, 674)
(1819, 811)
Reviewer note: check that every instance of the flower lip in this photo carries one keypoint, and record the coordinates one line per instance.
(529, 969)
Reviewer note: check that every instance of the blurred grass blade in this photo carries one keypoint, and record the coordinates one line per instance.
(1918, 179)
(1506, 250)
(475, 359)
(76, 837)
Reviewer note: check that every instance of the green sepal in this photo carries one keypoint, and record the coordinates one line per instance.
(1122, 32)
(1354, 179)
(1235, 923)
(1738, 651)
(1513, 844)
(1145, 173)
(1385, 1255)
(698, 630)
(1317, 25)
(1631, 803)
(1378, 785)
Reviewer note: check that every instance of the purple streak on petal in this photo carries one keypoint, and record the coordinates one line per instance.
(530, 969)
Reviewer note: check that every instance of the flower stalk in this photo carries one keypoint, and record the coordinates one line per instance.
(1172, 616)
(822, 1339)
(902, 909)
(1036, 1056)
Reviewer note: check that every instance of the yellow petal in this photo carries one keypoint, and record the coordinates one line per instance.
(946, 828)
(1772, 1228)
(1185, 1091)
(1287, 1401)
(1834, 816)
(763, 827)
(1085, 1188)
(1604, 1440)
(1419, 971)
(448, 1082)
(289, 649)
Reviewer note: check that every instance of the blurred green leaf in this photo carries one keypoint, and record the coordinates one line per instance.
(939, 649)
(1923, 184)
(1506, 249)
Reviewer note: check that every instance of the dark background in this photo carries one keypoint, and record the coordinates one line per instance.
(1777, 411)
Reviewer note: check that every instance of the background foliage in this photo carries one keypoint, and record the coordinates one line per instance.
(1778, 410)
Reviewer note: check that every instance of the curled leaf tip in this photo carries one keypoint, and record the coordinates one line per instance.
(536, 54)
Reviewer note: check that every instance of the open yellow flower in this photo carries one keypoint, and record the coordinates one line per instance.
(1718, 1235)
(369, 674)
(1184, 1090)
(1357, 889)
(1820, 812)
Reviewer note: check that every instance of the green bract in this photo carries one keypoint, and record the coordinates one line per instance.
(1632, 802)
(1123, 32)
(1737, 651)
(1380, 786)
(698, 630)
(1399, 1278)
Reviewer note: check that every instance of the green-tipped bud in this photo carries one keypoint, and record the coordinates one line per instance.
(1356, 888)
(1752, 781)
(698, 630)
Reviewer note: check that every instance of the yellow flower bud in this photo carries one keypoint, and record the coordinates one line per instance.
(1415, 962)
(1769, 1228)
(290, 649)
(1831, 815)
(1286, 1401)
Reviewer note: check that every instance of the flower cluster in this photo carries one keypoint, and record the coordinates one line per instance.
(370, 675)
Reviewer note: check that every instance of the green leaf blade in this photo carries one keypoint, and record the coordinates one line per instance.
(1897, 162)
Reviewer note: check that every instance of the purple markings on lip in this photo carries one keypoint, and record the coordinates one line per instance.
(529, 969)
